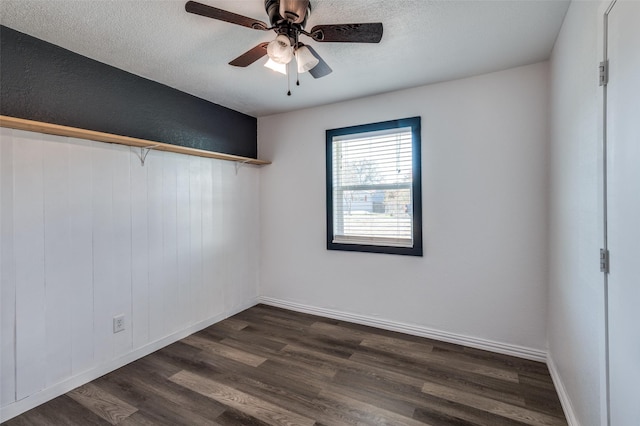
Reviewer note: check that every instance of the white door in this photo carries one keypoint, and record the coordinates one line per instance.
(623, 211)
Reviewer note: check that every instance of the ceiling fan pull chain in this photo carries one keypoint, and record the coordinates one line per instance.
(297, 58)
(288, 81)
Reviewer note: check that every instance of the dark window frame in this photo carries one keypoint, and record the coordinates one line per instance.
(415, 124)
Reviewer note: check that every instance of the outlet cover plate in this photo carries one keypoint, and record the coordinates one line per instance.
(118, 323)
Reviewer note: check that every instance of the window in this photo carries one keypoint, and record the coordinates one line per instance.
(374, 201)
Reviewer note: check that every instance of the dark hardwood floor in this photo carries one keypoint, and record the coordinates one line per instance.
(269, 366)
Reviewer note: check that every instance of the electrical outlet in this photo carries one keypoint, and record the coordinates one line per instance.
(118, 323)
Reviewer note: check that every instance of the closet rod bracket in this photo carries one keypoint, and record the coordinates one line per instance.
(144, 151)
(240, 164)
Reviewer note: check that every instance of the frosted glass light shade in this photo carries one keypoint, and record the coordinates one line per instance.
(279, 50)
(281, 68)
(305, 59)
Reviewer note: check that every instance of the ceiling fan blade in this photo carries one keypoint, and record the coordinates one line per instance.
(294, 10)
(322, 68)
(348, 33)
(223, 15)
(250, 56)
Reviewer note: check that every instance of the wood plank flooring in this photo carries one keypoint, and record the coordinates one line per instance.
(269, 366)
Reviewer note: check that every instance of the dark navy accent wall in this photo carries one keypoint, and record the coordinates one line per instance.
(44, 82)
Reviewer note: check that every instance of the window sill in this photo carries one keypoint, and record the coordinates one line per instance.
(406, 251)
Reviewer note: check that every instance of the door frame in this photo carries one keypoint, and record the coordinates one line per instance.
(605, 242)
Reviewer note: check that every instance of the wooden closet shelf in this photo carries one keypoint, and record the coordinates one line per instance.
(55, 129)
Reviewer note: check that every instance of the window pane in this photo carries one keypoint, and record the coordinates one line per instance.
(372, 186)
(375, 213)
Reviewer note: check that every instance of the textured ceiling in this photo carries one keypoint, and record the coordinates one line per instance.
(424, 42)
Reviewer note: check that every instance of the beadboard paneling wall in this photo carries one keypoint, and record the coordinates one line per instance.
(88, 233)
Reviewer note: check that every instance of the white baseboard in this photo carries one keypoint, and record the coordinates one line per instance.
(565, 401)
(60, 388)
(415, 330)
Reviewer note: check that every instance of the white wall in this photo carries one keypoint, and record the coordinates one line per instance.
(484, 163)
(576, 290)
(88, 233)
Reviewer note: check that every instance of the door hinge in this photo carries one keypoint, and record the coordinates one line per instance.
(604, 261)
(604, 73)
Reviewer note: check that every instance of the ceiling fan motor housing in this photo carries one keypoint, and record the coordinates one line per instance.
(273, 11)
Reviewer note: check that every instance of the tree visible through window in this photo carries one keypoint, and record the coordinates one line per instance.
(373, 188)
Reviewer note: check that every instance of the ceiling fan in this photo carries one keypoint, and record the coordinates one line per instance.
(288, 19)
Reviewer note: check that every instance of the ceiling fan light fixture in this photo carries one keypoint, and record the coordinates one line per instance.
(279, 50)
(305, 59)
(281, 68)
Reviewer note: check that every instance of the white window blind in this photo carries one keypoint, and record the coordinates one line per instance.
(372, 188)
